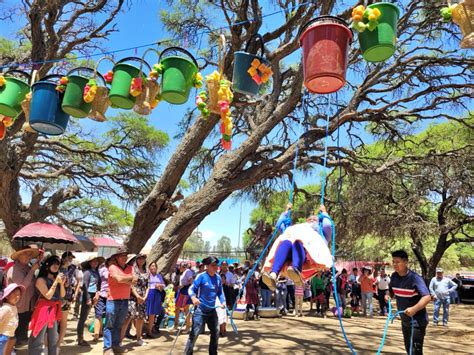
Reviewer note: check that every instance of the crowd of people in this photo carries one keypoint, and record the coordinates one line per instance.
(127, 295)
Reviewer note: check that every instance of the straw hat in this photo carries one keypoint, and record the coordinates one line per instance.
(86, 263)
(33, 251)
(133, 257)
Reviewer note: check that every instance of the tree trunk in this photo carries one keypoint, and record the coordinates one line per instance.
(419, 252)
(190, 214)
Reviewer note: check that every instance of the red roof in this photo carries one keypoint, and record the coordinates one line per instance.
(105, 242)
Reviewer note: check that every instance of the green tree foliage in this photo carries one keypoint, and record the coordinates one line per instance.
(196, 247)
(223, 245)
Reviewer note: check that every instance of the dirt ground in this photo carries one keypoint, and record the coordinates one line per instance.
(307, 335)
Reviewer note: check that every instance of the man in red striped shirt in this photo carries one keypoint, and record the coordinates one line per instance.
(412, 296)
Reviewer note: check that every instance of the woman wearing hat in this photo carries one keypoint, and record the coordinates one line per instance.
(9, 317)
(22, 273)
(137, 302)
(47, 313)
(121, 279)
(90, 293)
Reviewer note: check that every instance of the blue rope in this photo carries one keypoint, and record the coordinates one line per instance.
(390, 318)
(270, 241)
(334, 281)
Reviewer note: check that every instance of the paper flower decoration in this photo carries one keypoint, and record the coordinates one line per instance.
(447, 13)
(7, 121)
(363, 18)
(136, 87)
(201, 103)
(3, 81)
(156, 71)
(259, 72)
(61, 87)
(197, 81)
(90, 91)
(109, 76)
(225, 97)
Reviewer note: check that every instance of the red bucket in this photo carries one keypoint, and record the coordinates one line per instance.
(325, 41)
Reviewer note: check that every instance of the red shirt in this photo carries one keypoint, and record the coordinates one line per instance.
(367, 283)
(117, 290)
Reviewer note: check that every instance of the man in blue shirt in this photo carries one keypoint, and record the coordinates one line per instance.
(440, 288)
(412, 296)
(204, 292)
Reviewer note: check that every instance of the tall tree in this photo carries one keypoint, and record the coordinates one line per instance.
(39, 174)
(424, 192)
(223, 245)
(421, 82)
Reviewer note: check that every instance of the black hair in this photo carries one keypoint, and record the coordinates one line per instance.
(44, 269)
(344, 271)
(210, 260)
(402, 254)
(355, 269)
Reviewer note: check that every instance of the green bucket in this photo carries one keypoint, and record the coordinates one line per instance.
(73, 101)
(178, 75)
(380, 44)
(119, 93)
(13, 93)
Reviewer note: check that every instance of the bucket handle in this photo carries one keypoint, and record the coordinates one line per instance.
(134, 59)
(21, 72)
(90, 70)
(259, 37)
(96, 72)
(144, 61)
(182, 50)
(51, 76)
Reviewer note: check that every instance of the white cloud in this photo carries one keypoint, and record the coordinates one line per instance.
(209, 235)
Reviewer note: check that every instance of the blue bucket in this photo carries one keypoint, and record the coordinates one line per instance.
(46, 115)
(242, 82)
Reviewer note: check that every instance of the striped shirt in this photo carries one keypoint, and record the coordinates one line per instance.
(408, 291)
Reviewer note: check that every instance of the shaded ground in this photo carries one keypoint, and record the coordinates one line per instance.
(308, 335)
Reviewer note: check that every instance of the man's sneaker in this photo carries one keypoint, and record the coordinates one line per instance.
(270, 280)
(140, 342)
(295, 275)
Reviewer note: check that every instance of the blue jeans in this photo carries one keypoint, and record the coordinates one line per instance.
(115, 313)
(367, 298)
(280, 297)
(266, 298)
(200, 318)
(437, 306)
(3, 342)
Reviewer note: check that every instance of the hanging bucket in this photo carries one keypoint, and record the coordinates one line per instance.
(242, 81)
(13, 92)
(178, 75)
(46, 114)
(380, 44)
(123, 74)
(325, 41)
(73, 101)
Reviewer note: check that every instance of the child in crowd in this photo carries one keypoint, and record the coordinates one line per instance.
(9, 316)
(251, 296)
(355, 305)
(299, 295)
